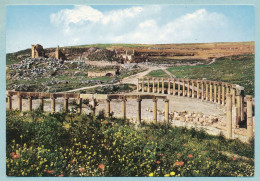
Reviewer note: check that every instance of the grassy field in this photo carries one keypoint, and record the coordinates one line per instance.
(158, 73)
(233, 69)
(62, 144)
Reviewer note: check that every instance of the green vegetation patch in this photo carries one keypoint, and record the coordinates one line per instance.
(237, 69)
(233, 69)
(158, 73)
(62, 144)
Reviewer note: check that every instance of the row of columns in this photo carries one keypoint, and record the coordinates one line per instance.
(53, 103)
(206, 90)
(139, 110)
(249, 103)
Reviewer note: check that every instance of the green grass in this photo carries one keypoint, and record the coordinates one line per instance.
(62, 144)
(233, 69)
(158, 73)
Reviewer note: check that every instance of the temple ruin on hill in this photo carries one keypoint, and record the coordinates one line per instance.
(37, 51)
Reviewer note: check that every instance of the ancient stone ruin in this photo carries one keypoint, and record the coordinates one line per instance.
(37, 51)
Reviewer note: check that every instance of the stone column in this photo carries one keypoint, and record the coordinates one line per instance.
(139, 109)
(229, 116)
(242, 107)
(108, 108)
(198, 89)
(219, 93)
(210, 92)
(179, 87)
(155, 111)
(30, 103)
(227, 89)
(223, 93)
(124, 108)
(66, 104)
(215, 92)
(162, 85)
(153, 85)
(158, 86)
(188, 88)
(148, 87)
(143, 84)
(173, 88)
(137, 87)
(202, 90)
(20, 102)
(42, 103)
(183, 87)
(166, 111)
(79, 102)
(9, 101)
(207, 90)
(233, 92)
(169, 86)
(249, 112)
(53, 104)
(193, 87)
(238, 109)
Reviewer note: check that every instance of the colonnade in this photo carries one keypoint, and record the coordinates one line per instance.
(229, 98)
(226, 94)
(80, 97)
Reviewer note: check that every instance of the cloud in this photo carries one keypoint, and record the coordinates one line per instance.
(137, 24)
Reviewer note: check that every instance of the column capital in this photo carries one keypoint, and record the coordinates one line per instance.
(108, 100)
(166, 100)
(249, 98)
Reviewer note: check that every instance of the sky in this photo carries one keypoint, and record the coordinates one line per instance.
(69, 25)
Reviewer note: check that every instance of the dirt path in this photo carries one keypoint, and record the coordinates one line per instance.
(127, 80)
(213, 60)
